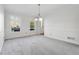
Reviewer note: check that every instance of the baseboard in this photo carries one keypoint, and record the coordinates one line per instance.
(76, 43)
(23, 36)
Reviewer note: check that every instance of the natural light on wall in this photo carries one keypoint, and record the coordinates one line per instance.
(1, 26)
(1, 23)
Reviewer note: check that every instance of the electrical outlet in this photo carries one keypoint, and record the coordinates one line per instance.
(72, 38)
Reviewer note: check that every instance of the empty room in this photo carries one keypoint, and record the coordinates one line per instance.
(39, 29)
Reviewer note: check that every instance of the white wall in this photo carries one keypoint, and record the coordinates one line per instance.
(63, 23)
(1, 26)
(24, 22)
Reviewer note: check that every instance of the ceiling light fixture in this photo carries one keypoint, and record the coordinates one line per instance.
(38, 18)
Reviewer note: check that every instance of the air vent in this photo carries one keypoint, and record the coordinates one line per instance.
(71, 38)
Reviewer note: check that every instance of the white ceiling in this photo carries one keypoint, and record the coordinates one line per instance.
(31, 9)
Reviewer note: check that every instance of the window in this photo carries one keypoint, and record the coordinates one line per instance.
(32, 25)
(15, 24)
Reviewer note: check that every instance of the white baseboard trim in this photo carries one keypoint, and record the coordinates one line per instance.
(76, 43)
(23, 36)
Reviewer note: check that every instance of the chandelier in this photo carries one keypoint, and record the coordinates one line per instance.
(38, 18)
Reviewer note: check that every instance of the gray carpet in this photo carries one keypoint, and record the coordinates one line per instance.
(38, 45)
